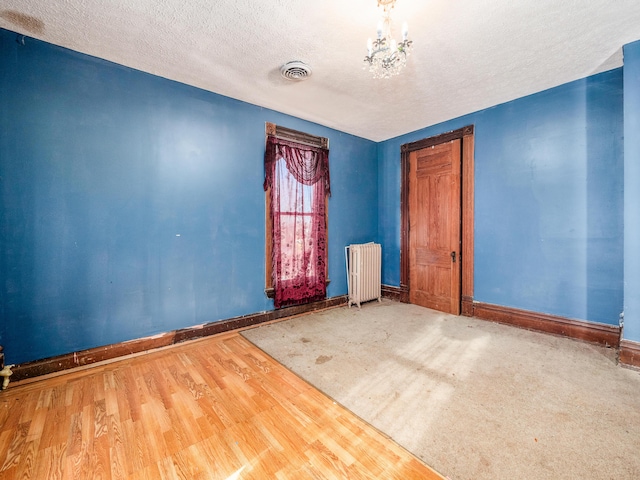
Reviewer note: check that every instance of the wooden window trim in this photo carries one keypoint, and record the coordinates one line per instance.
(306, 139)
(295, 136)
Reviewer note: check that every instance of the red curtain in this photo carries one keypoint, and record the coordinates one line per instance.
(298, 176)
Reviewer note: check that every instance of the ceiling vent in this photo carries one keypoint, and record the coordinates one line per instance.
(295, 71)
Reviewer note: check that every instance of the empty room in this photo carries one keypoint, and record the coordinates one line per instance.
(293, 239)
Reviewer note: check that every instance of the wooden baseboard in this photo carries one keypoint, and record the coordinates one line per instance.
(630, 353)
(109, 352)
(399, 294)
(608, 335)
(467, 306)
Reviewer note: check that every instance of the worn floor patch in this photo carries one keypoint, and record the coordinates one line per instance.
(322, 359)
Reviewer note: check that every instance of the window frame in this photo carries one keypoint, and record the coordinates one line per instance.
(303, 138)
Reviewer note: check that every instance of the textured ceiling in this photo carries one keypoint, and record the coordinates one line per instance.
(468, 54)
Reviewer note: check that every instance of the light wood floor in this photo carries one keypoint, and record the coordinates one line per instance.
(217, 408)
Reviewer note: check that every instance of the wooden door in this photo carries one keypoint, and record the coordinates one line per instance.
(435, 227)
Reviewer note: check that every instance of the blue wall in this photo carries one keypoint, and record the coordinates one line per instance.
(548, 200)
(133, 205)
(632, 191)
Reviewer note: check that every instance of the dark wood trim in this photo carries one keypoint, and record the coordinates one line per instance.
(296, 135)
(630, 353)
(608, 335)
(467, 200)
(113, 351)
(268, 243)
(438, 139)
(398, 294)
(467, 306)
(465, 134)
(404, 219)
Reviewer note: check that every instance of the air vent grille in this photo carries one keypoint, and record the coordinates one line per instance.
(295, 71)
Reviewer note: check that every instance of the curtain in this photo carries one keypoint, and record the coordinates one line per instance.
(298, 178)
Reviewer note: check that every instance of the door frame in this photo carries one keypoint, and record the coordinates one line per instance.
(466, 136)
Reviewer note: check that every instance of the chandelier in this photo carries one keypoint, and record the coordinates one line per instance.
(386, 57)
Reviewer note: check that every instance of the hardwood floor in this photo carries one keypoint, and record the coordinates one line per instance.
(216, 408)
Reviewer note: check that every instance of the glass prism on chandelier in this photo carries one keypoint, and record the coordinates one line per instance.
(386, 57)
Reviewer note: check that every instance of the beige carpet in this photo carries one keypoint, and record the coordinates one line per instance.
(473, 399)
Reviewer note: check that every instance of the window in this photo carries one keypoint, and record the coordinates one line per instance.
(297, 188)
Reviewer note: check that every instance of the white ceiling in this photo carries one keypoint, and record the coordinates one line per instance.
(468, 54)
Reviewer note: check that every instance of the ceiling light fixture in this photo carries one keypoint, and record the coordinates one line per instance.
(386, 57)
